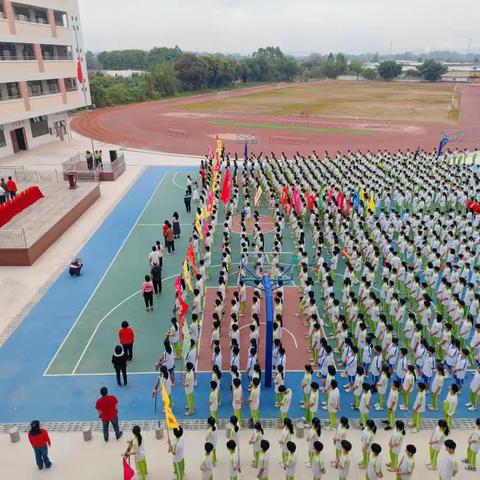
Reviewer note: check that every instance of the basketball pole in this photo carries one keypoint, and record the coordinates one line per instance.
(268, 330)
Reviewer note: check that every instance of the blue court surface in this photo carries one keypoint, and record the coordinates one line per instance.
(54, 364)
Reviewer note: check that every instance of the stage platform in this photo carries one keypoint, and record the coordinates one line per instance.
(31, 232)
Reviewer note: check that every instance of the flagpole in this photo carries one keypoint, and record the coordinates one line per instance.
(84, 90)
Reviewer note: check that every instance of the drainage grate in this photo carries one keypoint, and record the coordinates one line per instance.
(194, 424)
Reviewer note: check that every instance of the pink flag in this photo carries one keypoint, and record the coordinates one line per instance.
(210, 152)
(340, 199)
(128, 472)
(330, 195)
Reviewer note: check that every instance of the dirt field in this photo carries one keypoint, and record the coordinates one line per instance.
(412, 102)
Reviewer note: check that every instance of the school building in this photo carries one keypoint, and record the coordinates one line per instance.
(40, 44)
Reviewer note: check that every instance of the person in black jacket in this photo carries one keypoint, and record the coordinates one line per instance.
(156, 272)
(119, 361)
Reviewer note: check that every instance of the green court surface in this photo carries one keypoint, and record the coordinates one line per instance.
(88, 347)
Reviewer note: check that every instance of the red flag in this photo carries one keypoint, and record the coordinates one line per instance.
(308, 199)
(191, 257)
(79, 70)
(284, 197)
(128, 472)
(347, 211)
(225, 195)
(340, 199)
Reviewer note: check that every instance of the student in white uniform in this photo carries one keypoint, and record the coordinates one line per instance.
(290, 463)
(448, 465)
(206, 466)
(263, 460)
(473, 448)
(407, 464)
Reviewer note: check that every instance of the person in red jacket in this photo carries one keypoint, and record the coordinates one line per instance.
(127, 337)
(12, 187)
(107, 409)
(40, 442)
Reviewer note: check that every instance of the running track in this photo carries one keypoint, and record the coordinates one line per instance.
(156, 126)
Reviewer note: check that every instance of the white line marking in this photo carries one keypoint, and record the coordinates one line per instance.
(283, 328)
(106, 316)
(161, 224)
(104, 275)
(183, 188)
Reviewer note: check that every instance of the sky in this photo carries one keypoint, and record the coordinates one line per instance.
(296, 26)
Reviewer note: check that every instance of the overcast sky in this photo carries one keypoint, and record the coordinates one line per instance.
(296, 26)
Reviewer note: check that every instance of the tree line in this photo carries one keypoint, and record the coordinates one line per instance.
(165, 72)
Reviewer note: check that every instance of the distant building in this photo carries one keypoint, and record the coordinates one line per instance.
(40, 42)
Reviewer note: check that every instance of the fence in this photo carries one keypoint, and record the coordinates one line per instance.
(21, 175)
(13, 238)
(85, 172)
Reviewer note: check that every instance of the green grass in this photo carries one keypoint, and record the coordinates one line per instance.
(298, 128)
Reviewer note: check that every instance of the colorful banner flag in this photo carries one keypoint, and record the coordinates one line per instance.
(371, 203)
(165, 397)
(191, 256)
(245, 151)
(186, 275)
(362, 195)
(284, 196)
(210, 200)
(128, 472)
(258, 194)
(79, 71)
(170, 418)
(198, 226)
(347, 208)
(210, 152)
(186, 339)
(225, 195)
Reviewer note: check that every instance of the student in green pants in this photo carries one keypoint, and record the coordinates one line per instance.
(450, 404)
(473, 448)
(188, 385)
(176, 448)
(254, 399)
(436, 442)
(311, 407)
(395, 445)
(255, 440)
(365, 403)
(213, 400)
(419, 406)
(392, 404)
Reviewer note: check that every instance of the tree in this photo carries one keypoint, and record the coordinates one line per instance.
(92, 61)
(287, 69)
(161, 80)
(369, 74)
(357, 67)
(162, 54)
(191, 71)
(389, 69)
(329, 67)
(431, 70)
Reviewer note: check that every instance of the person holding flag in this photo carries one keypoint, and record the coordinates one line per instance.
(177, 448)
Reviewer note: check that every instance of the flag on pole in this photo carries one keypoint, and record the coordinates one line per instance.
(79, 70)
(128, 472)
(284, 197)
(362, 195)
(245, 151)
(186, 275)
(170, 418)
(198, 226)
(186, 339)
(210, 152)
(257, 196)
(225, 195)
(191, 257)
(165, 397)
(371, 203)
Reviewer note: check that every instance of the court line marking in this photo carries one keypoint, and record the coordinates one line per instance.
(104, 274)
(283, 328)
(104, 318)
(161, 224)
(177, 185)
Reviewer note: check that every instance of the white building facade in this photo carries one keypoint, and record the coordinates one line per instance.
(40, 43)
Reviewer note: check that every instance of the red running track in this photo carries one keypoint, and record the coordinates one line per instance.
(158, 126)
(293, 338)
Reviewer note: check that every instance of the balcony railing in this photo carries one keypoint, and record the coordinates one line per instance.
(45, 92)
(20, 17)
(16, 58)
(71, 89)
(9, 97)
(57, 57)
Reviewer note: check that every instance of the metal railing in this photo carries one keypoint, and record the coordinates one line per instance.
(15, 58)
(11, 97)
(47, 57)
(13, 238)
(22, 175)
(112, 166)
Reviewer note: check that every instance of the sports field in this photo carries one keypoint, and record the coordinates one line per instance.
(416, 102)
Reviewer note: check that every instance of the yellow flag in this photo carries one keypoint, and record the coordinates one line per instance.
(198, 227)
(371, 203)
(362, 195)
(170, 418)
(186, 275)
(258, 194)
(165, 398)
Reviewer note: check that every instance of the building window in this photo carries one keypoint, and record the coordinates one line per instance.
(2, 11)
(3, 142)
(39, 126)
(12, 90)
(71, 84)
(35, 88)
(61, 18)
(52, 86)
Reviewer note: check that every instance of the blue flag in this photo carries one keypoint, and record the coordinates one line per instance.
(443, 141)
